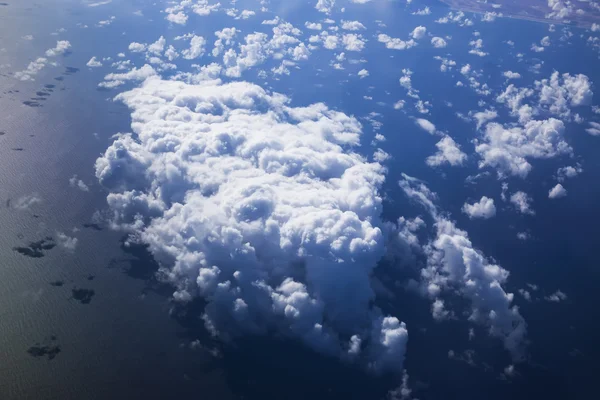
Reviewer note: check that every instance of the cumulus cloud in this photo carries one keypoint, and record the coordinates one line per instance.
(557, 192)
(179, 18)
(455, 266)
(136, 47)
(136, 74)
(484, 208)
(94, 63)
(448, 153)
(352, 26)
(62, 46)
(313, 26)
(176, 12)
(483, 117)
(325, 6)
(426, 125)
(508, 148)
(363, 73)
(418, 33)
(197, 44)
(560, 92)
(438, 42)
(522, 202)
(258, 47)
(511, 75)
(260, 208)
(568, 172)
(353, 42)
(395, 43)
(34, 67)
(66, 242)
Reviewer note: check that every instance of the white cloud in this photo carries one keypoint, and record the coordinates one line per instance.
(418, 33)
(508, 148)
(557, 191)
(511, 75)
(352, 26)
(25, 202)
(458, 18)
(561, 91)
(484, 208)
(136, 74)
(260, 208)
(282, 46)
(568, 172)
(556, 297)
(157, 47)
(426, 125)
(225, 37)
(545, 41)
(62, 46)
(522, 202)
(197, 45)
(438, 42)
(560, 9)
(325, 6)
(179, 18)
(594, 128)
(363, 73)
(483, 117)
(32, 69)
(381, 156)
(74, 181)
(136, 47)
(66, 242)
(245, 14)
(313, 25)
(394, 43)
(353, 42)
(94, 63)
(455, 266)
(274, 21)
(448, 153)
(476, 48)
(423, 11)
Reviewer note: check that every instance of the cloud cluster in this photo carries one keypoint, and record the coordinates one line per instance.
(34, 67)
(508, 148)
(262, 209)
(455, 266)
(258, 47)
(176, 13)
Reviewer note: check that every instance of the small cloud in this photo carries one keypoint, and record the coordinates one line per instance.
(484, 208)
(556, 297)
(557, 192)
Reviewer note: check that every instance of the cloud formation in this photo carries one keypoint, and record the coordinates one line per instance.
(262, 209)
(455, 266)
(484, 208)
